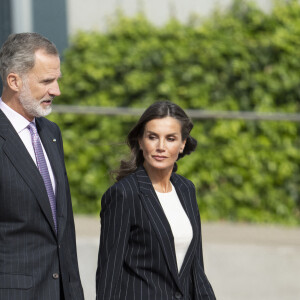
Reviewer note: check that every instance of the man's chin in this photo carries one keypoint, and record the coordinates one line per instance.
(45, 111)
(42, 112)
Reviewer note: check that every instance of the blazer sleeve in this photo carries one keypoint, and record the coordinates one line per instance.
(199, 253)
(202, 287)
(115, 228)
(76, 289)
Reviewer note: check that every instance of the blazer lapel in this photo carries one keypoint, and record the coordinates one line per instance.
(50, 140)
(17, 153)
(159, 221)
(188, 201)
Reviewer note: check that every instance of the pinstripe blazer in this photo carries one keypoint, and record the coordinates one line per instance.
(35, 262)
(137, 258)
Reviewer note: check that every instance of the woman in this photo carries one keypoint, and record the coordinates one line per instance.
(150, 243)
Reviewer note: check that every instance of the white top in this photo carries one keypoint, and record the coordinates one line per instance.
(20, 124)
(179, 223)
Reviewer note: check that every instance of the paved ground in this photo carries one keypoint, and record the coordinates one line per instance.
(243, 262)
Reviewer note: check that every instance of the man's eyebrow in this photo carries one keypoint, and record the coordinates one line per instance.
(48, 79)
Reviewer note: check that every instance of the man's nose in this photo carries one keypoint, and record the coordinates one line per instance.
(54, 90)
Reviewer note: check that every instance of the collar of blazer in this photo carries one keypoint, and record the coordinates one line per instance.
(17, 153)
(161, 225)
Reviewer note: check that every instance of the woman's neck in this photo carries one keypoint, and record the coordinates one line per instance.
(160, 178)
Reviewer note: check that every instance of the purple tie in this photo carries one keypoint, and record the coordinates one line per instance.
(42, 166)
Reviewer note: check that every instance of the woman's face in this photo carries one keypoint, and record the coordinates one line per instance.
(161, 143)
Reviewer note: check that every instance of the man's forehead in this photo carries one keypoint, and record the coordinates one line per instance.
(46, 69)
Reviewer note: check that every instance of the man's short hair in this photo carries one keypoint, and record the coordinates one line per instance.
(17, 54)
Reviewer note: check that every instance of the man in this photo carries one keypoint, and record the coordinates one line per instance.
(38, 258)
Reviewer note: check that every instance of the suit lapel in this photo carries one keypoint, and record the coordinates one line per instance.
(50, 142)
(17, 153)
(159, 221)
(188, 201)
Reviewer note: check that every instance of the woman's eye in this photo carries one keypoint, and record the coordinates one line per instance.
(171, 139)
(151, 137)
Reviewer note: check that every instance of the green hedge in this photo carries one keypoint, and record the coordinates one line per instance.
(241, 59)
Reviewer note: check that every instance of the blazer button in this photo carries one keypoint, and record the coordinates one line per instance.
(55, 275)
(178, 295)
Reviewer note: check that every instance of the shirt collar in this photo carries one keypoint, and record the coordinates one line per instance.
(17, 120)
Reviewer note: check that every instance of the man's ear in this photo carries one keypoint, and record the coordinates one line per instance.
(14, 81)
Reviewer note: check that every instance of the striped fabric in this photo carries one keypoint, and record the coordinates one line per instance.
(137, 258)
(36, 263)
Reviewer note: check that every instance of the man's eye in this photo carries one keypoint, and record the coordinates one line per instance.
(47, 81)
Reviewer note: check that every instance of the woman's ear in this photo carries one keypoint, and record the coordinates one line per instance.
(182, 146)
(140, 144)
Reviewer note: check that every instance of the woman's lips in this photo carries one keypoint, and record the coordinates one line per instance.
(157, 157)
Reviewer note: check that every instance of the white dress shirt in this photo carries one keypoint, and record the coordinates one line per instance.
(179, 223)
(20, 124)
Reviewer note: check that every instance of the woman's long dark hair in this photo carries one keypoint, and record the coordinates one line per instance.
(158, 110)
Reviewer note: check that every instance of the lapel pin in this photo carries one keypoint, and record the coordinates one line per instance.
(54, 140)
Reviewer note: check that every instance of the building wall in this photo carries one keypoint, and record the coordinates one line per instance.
(5, 24)
(5, 20)
(93, 14)
(50, 19)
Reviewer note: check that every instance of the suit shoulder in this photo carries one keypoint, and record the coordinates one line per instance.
(126, 183)
(123, 191)
(124, 188)
(183, 180)
(45, 122)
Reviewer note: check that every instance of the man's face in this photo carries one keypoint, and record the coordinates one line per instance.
(40, 86)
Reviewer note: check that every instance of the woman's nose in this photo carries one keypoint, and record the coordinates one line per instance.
(161, 145)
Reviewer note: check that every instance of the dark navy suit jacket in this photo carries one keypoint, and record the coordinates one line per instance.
(137, 258)
(35, 262)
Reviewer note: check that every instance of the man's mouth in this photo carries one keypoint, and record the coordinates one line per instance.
(47, 101)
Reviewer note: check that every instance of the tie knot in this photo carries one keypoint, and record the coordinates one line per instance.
(32, 128)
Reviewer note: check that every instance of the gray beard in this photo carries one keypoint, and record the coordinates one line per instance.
(32, 106)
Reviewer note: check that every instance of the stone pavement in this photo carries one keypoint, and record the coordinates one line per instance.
(242, 261)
